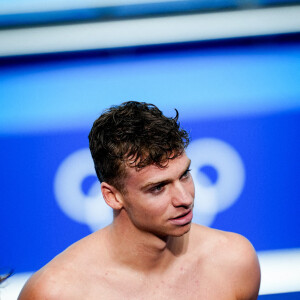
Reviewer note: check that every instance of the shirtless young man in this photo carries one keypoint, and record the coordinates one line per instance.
(151, 250)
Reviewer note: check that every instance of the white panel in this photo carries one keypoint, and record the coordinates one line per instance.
(150, 31)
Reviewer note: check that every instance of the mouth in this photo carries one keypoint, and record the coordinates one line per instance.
(183, 219)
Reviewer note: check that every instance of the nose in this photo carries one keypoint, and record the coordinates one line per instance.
(183, 195)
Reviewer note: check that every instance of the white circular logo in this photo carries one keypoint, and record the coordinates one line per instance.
(213, 197)
(89, 208)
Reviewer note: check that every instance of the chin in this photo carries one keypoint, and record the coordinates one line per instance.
(175, 231)
(184, 230)
(180, 230)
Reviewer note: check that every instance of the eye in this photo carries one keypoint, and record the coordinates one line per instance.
(157, 189)
(186, 174)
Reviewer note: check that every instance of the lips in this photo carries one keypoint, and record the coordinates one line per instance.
(182, 215)
(183, 219)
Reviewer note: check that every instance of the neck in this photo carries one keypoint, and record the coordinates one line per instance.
(141, 250)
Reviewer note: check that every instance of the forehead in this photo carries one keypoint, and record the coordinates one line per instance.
(174, 168)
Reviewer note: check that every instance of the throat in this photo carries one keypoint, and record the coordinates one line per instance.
(144, 252)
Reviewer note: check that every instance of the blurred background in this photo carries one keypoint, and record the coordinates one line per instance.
(231, 68)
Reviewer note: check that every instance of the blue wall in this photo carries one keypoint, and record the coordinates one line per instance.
(243, 101)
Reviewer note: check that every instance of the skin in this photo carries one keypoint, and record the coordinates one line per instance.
(147, 252)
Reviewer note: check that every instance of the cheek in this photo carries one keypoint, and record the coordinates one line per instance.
(161, 207)
(146, 210)
(156, 207)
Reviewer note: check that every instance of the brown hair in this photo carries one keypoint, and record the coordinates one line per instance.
(136, 134)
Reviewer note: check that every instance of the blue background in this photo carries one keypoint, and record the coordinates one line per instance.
(247, 95)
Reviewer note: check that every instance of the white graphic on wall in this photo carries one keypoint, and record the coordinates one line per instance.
(89, 208)
(212, 195)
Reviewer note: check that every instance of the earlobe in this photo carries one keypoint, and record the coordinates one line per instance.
(111, 196)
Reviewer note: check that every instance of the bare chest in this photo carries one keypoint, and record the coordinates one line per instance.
(187, 285)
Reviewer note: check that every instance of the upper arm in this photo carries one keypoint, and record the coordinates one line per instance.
(39, 287)
(246, 270)
(32, 290)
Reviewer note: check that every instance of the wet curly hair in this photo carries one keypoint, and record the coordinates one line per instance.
(134, 134)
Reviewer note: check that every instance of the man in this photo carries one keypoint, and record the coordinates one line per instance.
(151, 250)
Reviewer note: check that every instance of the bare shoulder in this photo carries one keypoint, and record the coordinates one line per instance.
(63, 276)
(54, 279)
(234, 256)
(226, 246)
(44, 284)
(242, 265)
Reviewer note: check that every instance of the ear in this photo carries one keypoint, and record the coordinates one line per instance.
(111, 196)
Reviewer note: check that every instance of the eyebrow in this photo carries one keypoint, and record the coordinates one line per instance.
(166, 181)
